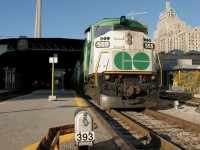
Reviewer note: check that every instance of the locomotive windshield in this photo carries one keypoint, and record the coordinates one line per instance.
(100, 30)
(121, 28)
(118, 27)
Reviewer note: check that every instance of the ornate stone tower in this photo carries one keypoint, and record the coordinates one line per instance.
(173, 33)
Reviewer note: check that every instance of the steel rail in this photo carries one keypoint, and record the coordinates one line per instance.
(184, 123)
(155, 139)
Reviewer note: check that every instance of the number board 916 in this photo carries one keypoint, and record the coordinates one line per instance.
(149, 45)
(84, 136)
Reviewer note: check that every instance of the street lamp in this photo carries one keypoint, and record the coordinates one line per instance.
(53, 60)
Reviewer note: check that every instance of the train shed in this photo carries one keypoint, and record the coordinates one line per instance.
(24, 62)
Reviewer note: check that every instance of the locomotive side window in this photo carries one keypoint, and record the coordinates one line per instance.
(100, 30)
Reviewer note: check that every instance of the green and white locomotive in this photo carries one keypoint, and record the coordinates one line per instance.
(118, 65)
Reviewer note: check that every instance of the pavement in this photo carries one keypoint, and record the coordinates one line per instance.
(26, 119)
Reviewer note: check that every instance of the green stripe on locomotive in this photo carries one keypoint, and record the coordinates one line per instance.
(116, 22)
(87, 51)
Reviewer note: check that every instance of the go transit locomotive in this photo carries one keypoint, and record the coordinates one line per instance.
(118, 65)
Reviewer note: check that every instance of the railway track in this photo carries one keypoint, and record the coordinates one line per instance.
(149, 129)
(153, 130)
(187, 99)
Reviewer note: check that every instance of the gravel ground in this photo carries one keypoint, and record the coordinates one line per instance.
(185, 112)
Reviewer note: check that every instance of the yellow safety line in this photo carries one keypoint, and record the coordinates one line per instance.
(63, 138)
(66, 138)
(79, 101)
(31, 147)
(9, 100)
(14, 98)
(5, 101)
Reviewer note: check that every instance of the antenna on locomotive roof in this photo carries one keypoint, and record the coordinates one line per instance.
(135, 13)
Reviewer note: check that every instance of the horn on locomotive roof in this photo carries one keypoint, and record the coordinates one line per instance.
(122, 20)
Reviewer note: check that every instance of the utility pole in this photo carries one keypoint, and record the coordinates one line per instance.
(37, 33)
(135, 13)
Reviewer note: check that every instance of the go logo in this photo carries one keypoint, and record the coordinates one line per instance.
(124, 61)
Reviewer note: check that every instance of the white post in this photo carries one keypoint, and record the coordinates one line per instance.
(53, 60)
(176, 103)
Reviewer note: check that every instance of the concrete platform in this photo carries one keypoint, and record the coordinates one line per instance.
(25, 120)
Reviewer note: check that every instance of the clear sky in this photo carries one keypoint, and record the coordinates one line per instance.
(70, 18)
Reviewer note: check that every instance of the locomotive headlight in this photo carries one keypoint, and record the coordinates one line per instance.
(107, 77)
(129, 39)
(102, 44)
(153, 77)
